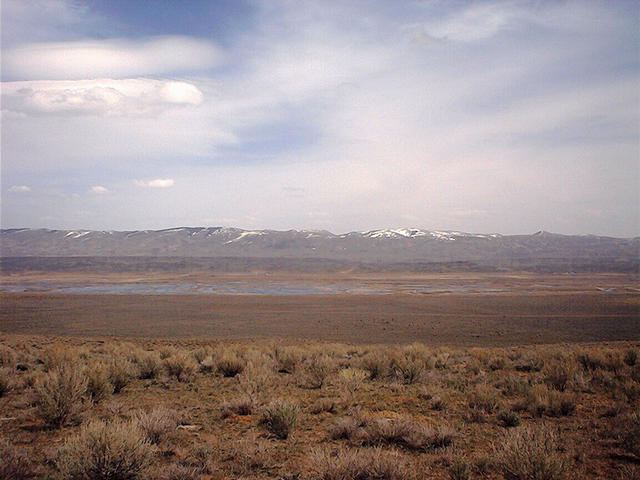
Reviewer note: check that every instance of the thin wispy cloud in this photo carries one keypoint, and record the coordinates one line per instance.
(99, 189)
(155, 183)
(19, 188)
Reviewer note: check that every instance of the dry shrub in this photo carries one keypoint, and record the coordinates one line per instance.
(630, 434)
(591, 360)
(407, 368)
(485, 398)
(120, 373)
(400, 432)
(58, 395)
(177, 471)
(7, 356)
(560, 373)
(316, 370)
(105, 451)
(376, 364)
(363, 464)
(208, 364)
(159, 424)
(350, 380)
(511, 385)
(530, 363)
(201, 353)
(287, 358)
(280, 418)
(509, 419)
(6, 381)
(98, 385)
(531, 453)
(247, 455)
(631, 356)
(56, 356)
(242, 405)
(230, 364)
(14, 463)
(560, 404)
(460, 469)
(324, 405)
(180, 366)
(149, 365)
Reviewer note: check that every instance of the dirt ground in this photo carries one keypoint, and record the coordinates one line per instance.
(528, 309)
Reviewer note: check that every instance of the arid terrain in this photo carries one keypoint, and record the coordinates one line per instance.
(175, 375)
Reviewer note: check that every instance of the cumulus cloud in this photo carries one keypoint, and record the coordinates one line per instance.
(112, 58)
(155, 183)
(99, 189)
(20, 188)
(140, 96)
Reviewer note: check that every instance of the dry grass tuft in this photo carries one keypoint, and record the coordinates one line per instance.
(180, 366)
(58, 395)
(280, 418)
(14, 463)
(6, 380)
(242, 405)
(159, 424)
(363, 464)
(531, 453)
(98, 385)
(105, 451)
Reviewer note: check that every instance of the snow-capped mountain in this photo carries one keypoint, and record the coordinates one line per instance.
(398, 245)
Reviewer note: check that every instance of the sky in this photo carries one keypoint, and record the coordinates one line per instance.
(489, 116)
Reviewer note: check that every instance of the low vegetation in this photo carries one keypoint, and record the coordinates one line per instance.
(94, 409)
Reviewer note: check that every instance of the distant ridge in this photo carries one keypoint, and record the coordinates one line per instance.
(384, 246)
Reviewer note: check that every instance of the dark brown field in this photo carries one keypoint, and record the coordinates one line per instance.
(530, 309)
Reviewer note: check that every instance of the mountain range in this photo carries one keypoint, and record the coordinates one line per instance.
(541, 250)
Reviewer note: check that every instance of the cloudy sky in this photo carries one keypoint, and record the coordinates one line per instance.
(485, 116)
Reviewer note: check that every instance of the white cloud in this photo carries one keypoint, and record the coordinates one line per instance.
(113, 58)
(20, 188)
(155, 183)
(140, 96)
(99, 189)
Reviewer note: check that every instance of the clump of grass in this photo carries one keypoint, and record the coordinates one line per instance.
(560, 373)
(180, 366)
(230, 364)
(485, 398)
(178, 471)
(120, 373)
(400, 432)
(460, 469)
(531, 453)
(560, 404)
(376, 364)
(7, 356)
(105, 451)
(631, 357)
(247, 455)
(350, 380)
(14, 463)
(287, 358)
(509, 419)
(316, 370)
(149, 365)
(6, 381)
(631, 434)
(98, 385)
(58, 396)
(280, 419)
(407, 368)
(363, 464)
(158, 425)
(242, 405)
(324, 405)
